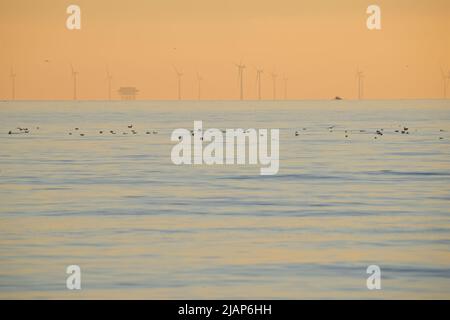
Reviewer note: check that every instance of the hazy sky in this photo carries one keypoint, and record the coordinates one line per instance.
(316, 44)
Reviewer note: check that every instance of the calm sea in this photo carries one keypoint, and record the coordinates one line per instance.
(142, 227)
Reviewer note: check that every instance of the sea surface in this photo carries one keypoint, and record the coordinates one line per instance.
(141, 227)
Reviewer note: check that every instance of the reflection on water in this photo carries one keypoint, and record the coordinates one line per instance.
(141, 227)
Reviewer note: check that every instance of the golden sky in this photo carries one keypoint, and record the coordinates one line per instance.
(316, 44)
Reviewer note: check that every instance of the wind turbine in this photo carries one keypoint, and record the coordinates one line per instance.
(258, 81)
(360, 77)
(274, 82)
(12, 75)
(285, 80)
(199, 80)
(179, 75)
(109, 78)
(241, 68)
(445, 78)
(74, 76)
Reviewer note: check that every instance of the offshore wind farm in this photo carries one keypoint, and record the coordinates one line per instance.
(241, 68)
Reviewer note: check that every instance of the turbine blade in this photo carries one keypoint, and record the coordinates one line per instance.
(176, 70)
(442, 72)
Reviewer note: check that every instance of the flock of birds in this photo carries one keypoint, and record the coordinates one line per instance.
(130, 127)
(20, 130)
(377, 132)
(131, 131)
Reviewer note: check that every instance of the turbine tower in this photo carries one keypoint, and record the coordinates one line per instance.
(241, 68)
(74, 76)
(445, 78)
(258, 81)
(274, 82)
(179, 75)
(360, 78)
(12, 75)
(109, 78)
(285, 80)
(199, 81)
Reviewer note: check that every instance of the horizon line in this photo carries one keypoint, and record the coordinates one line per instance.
(220, 100)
